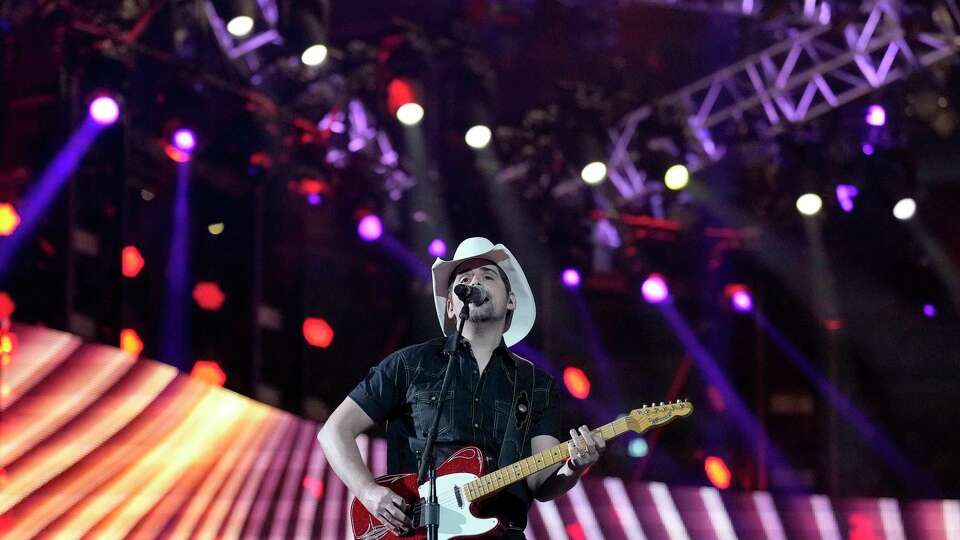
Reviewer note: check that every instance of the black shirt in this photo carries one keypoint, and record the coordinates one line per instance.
(403, 388)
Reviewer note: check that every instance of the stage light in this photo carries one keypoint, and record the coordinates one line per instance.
(845, 196)
(905, 209)
(310, 36)
(717, 472)
(8, 342)
(594, 172)
(370, 228)
(317, 332)
(478, 137)
(5, 390)
(184, 140)
(809, 204)
(7, 306)
(677, 177)
(576, 382)
(314, 55)
(131, 261)
(654, 289)
(313, 486)
(741, 301)
(314, 199)
(876, 115)
(571, 278)
(867, 149)
(215, 228)
(9, 219)
(104, 110)
(208, 295)
(410, 114)
(240, 26)
(130, 342)
(929, 311)
(437, 248)
(146, 195)
(209, 371)
(637, 448)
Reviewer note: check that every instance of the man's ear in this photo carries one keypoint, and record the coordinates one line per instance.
(449, 310)
(512, 301)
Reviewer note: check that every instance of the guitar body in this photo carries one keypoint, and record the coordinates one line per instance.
(457, 518)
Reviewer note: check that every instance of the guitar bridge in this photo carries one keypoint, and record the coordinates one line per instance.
(456, 492)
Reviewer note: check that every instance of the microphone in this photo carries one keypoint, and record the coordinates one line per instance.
(471, 294)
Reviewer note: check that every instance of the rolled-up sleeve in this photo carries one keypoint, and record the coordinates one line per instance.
(380, 393)
(548, 421)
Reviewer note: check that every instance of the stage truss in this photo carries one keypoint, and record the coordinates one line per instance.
(810, 72)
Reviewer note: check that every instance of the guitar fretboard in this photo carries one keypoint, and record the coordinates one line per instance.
(491, 483)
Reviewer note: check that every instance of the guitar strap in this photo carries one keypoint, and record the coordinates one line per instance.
(515, 437)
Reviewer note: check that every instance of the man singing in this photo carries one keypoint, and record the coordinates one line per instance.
(496, 400)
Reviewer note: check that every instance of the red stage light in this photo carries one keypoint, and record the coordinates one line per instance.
(208, 296)
(717, 472)
(575, 531)
(9, 219)
(208, 370)
(314, 486)
(130, 342)
(833, 324)
(317, 332)
(176, 154)
(576, 382)
(131, 262)
(7, 306)
(399, 93)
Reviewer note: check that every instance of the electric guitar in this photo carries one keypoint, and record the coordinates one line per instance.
(462, 481)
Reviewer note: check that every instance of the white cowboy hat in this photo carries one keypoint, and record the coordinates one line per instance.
(478, 247)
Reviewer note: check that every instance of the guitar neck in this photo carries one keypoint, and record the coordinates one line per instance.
(491, 483)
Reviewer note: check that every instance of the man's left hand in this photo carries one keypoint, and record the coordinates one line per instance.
(584, 448)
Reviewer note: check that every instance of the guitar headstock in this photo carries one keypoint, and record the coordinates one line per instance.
(653, 415)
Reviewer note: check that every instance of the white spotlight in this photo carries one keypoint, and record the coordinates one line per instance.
(314, 55)
(594, 172)
(676, 177)
(905, 209)
(809, 204)
(240, 26)
(478, 137)
(410, 114)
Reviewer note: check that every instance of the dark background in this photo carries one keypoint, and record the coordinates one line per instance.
(550, 77)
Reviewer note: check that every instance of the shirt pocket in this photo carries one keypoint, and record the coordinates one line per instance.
(424, 403)
(501, 417)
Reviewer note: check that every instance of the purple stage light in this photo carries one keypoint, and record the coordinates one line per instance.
(845, 195)
(370, 228)
(868, 149)
(929, 310)
(654, 289)
(314, 199)
(741, 301)
(184, 140)
(571, 278)
(437, 248)
(104, 110)
(876, 115)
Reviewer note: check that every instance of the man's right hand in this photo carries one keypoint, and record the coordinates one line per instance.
(389, 507)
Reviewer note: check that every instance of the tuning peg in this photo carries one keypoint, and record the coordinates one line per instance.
(662, 404)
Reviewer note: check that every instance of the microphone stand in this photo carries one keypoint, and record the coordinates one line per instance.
(428, 460)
